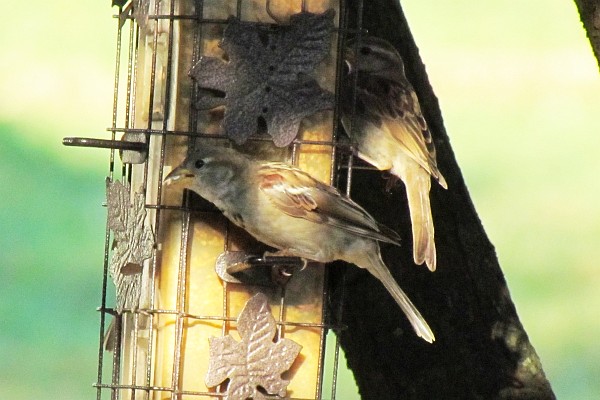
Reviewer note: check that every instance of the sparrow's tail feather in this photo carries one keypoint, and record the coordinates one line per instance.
(441, 180)
(417, 185)
(379, 270)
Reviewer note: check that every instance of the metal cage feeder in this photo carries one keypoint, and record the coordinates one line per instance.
(179, 267)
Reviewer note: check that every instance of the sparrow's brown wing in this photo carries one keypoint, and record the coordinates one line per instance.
(393, 106)
(298, 194)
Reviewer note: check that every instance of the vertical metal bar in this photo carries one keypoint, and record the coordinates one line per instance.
(127, 169)
(339, 317)
(192, 115)
(116, 372)
(107, 235)
(322, 345)
(136, 321)
(359, 18)
(182, 275)
(281, 325)
(135, 74)
(343, 24)
(336, 358)
(115, 95)
(129, 76)
(336, 362)
(349, 173)
(337, 341)
(341, 36)
(295, 154)
(225, 311)
(129, 124)
(181, 302)
(239, 9)
(152, 82)
(359, 26)
(157, 214)
(166, 103)
(225, 325)
(102, 311)
(168, 76)
(348, 192)
(336, 115)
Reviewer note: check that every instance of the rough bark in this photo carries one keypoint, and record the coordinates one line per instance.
(481, 349)
(589, 12)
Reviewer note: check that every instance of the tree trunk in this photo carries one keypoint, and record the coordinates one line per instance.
(481, 349)
(589, 12)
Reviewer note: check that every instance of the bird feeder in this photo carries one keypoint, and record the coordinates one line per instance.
(199, 311)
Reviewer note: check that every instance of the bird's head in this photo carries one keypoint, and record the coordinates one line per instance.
(209, 171)
(374, 56)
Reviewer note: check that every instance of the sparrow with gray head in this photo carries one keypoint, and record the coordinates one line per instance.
(382, 116)
(286, 208)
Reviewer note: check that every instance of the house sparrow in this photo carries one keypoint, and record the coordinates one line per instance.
(289, 210)
(389, 130)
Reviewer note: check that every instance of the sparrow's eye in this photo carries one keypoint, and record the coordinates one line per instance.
(199, 164)
(365, 51)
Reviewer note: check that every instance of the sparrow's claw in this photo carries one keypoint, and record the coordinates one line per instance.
(391, 181)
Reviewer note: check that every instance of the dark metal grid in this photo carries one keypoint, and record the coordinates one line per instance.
(338, 162)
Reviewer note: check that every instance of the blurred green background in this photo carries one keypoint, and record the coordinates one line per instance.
(519, 90)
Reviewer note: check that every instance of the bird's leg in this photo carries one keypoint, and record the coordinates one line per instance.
(285, 265)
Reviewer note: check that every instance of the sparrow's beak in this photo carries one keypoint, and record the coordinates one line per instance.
(177, 175)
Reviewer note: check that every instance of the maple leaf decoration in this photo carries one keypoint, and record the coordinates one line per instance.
(254, 362)
(133, 242)
(139, 10)
(267, 76)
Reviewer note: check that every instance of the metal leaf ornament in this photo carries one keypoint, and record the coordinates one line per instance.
(256, 361)
(141, 9)
(138, 9)
(133, 242)
(267, 76)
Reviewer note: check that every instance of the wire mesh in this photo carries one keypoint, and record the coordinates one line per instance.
(149, 53)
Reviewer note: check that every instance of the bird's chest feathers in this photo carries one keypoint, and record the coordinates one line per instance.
(235, 206)
(377, 147)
